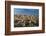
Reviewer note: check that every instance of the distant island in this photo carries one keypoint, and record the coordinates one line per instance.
(26, 21)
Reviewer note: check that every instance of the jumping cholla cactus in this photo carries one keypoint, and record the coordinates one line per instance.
(24, 20)
(33, 19)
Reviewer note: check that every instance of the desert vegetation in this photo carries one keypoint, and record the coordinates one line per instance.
(25, 21)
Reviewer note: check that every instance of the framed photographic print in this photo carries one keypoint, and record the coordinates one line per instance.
(24, 17)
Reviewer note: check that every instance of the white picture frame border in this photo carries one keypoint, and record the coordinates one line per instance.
(25, 28)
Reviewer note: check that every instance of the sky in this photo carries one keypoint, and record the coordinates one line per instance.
(25, 11)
